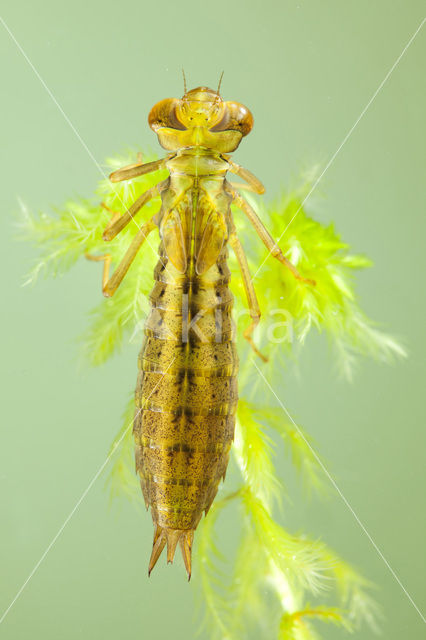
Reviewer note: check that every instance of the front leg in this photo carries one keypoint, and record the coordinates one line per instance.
(254, 184)
(138, 169)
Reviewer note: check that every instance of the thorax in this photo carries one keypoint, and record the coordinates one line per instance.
(197, 162)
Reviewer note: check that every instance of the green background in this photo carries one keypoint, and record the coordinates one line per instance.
(306, 70)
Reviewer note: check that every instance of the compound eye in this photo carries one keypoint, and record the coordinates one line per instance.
(164, 114)
(236, 117)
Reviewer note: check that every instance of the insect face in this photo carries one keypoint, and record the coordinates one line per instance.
(200, 118)
(201, 107)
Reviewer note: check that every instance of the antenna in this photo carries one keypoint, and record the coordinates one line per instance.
(220, 81)
(184, 81)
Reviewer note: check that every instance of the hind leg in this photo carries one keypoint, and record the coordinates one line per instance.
(252, 300)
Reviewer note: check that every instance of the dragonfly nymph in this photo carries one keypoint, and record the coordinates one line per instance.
(186, 394)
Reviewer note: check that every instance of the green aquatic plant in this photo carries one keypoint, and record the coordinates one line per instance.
(269, 591)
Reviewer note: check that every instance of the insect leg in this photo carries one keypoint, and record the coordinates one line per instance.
(137, 169)
(252, 300)
(114, 214)
(253, 182)
(110, 284)
(242, 185)
(265, 236)
(119, 221)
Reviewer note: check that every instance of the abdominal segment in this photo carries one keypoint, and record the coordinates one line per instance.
(186, 399)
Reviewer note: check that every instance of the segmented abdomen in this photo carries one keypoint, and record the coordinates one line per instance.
(186, 398)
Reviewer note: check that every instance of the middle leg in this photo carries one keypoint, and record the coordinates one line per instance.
(119, 222)
(110, 284)
(264, 235)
